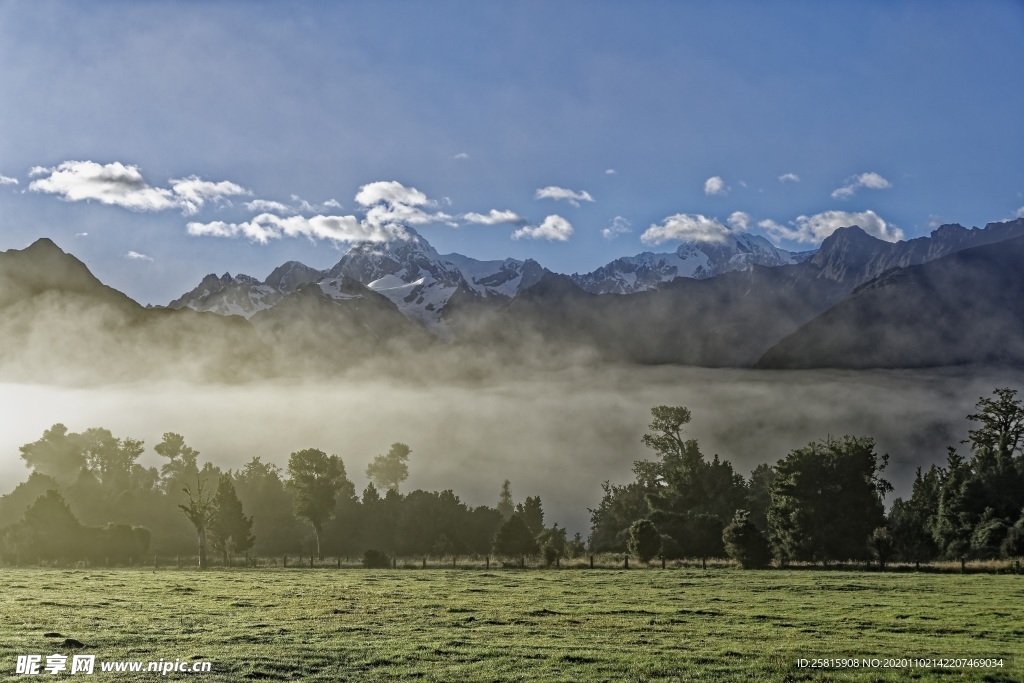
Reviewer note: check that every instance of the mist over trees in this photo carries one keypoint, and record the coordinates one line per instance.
(88, 498)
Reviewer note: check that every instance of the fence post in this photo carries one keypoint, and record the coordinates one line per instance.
(662, 561)
(591, 561)
(625, 559)
(285, 560)
(487, 560)
(522, 563)
(310, 561)
(154, 562)
(558, 562)
(339, 561)
(453, 562)
(394, 562)
(963, 564)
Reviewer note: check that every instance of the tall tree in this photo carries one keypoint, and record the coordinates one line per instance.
(505, 505)
(199, 511)
(514, 539)
(532, 512)
(996, 447)
(110, 459)
(315, 480)
(230, 528)
(389, 471)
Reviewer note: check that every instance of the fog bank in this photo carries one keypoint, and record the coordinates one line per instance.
(557, 434)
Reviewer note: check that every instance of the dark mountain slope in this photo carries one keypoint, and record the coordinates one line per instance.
(967, 307)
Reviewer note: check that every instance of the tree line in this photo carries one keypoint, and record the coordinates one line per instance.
(88, 498)
(823, 502)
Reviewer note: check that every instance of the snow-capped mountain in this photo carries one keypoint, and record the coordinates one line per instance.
(410, 273)
(693, 259)
(241, 295)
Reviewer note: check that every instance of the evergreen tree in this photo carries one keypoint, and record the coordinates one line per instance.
(230, 528)
(644, 540)
(505, 505)
(532, 513)
(514, 539)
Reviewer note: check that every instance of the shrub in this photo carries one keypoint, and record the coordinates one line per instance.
(375, 559)
(745, 543)
(644, 540)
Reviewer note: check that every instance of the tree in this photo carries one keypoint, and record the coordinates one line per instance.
(199, 511)
(514, 539)
(109, 458)
(182, 461)
(58, 454)
(315, 479)
(49, 529)
(532, 513)
(882, 545)
(388, 471)
(745, 543)
(910, 522)
(827, 499)
(505, 505)
(759, 494)
(620, 507)
(644, 540)
(996, 446)
(230, 529)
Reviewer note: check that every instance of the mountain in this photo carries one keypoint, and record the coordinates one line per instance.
(697, 260)
(229, 295)
(965, 307)
(851, 257)
(59, 323)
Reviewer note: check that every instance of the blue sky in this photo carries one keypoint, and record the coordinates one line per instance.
(783, 119)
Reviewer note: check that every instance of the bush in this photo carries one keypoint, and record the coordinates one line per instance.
(550, 552)
(514, 539)
(375, 559)
(644, 540)
(745, 543)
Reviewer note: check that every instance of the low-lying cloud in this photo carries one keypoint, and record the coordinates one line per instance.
(686, 227)
(813, 229)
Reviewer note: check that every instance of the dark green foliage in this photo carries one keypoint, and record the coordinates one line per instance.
(620, 506)
(909, 522)
(389, 471)
(315, 480)
(550, 553)
(532, 513)
(759, 494)
(57, 454)
(182, 462)
(514, 539)
(275, 528)
(670, 548)
(882, 545)
(644, 540)
(745, 543)
(827, 499)
(375, 559)
(230, 528)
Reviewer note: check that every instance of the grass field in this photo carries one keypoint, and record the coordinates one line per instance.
(509, 625)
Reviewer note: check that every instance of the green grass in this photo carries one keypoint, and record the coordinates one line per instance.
(509, 625)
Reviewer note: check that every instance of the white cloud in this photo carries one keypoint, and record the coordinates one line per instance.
(715, 186)
(610, 171)
(557, 193)
(332, 204)
(739, 221)
(495, 217)
(136, 256)
(870, 180)
(619, 226)
(118, 184)
(267, 226)
(115, 184)
(193, 192)
(686, 228)
(812, 229)
(1020, 213)
(554, 228)
(392, 192)
(6, 180)
(81, 234)
(789, 178)
(268, 206)
(461, 156)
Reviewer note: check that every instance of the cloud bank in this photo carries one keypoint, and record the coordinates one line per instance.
(686, 227)
(494, 217)
(812, 229)
(122, 185)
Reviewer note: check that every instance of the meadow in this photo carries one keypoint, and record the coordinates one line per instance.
(720, 624)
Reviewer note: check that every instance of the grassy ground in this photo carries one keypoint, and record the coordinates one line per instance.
(509, 625)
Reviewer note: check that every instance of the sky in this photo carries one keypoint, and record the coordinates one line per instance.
(160, 142)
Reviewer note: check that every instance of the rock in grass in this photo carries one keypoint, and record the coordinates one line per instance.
(71, 642)
(53, 634)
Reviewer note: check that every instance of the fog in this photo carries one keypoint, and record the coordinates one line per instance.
(557, 434)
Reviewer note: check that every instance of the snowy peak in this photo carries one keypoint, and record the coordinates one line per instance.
(501, 279)
(698, 260)
(241, 295)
